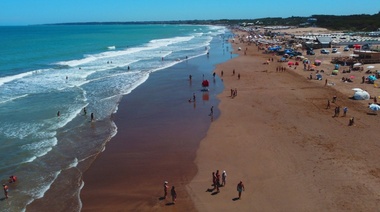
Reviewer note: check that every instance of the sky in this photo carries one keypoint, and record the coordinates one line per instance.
(29, 12)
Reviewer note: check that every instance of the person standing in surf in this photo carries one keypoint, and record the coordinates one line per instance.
(5, 187)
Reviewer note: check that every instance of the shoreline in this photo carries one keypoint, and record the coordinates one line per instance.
(158, 134)
(278, 138)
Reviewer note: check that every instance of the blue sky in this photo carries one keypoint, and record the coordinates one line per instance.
(24, 12)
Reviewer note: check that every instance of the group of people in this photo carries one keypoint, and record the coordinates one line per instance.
(172, 192)
(84, 112)
(12, 179)
(216, 180)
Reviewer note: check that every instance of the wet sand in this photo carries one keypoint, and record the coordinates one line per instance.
(158, 134)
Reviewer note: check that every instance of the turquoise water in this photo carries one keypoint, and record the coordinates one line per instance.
(46, 69)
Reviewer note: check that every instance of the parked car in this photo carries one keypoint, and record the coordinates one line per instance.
(334, 50)
(346, 49)
(310, 52)
(325, 51)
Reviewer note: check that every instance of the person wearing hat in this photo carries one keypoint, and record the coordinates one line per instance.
(224, 178)
(5, 187)
(166, 187)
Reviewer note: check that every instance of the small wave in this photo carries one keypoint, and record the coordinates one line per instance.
(74, 163)
(4, 80)
(14, 98)
(40, 191)
(111, 47)
(30, 159)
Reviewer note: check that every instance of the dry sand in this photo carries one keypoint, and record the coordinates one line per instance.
(278, 137)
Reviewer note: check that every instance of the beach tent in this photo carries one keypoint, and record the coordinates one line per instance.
(370, 67)
(357, 47)
(372, 78)
(374, 107)
(360, 94)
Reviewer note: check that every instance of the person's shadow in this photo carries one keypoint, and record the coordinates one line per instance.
(170, 203)
(236, 198)
(161, 198)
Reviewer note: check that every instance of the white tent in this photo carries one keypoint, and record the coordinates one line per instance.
(361, 94)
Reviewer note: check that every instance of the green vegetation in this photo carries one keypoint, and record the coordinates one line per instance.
(351, 23)
(361, 22)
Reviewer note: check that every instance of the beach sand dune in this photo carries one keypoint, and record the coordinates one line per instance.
(278, 138)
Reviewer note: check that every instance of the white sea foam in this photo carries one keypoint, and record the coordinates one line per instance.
(40, 191)
(40, 148)
(7, 79)
(74, 163)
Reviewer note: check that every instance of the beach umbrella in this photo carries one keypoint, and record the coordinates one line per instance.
(369, 67)
(318, 61)
(374, 107)
(357, 64)
(335, 71)
(290, 63)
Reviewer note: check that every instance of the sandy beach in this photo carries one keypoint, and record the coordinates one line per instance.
(278, 138)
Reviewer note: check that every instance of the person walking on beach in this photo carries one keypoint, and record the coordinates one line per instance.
(84, 111)
(92, 117)
(58, 114)
(214, 180)
(238, 75)
(194, 97)
(233, 72)
(224, 178)
(351, 121)
(328, 104)
(174, 194)
(221, 73)
(5, 187)
(166, 187)
(345, 109)
(240, 188)
(334, 99)
(211, 111)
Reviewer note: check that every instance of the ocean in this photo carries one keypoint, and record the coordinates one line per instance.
(50, 73)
